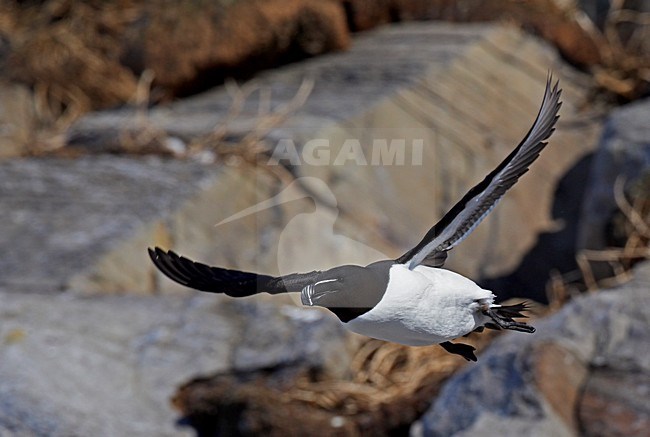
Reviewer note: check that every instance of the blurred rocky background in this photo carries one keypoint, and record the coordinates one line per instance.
(126, 124)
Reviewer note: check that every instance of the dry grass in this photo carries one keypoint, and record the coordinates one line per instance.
(82, 56)
(624, 48)
(252, 149)
(389, 387)
(633, 225)
(383, 374)
(68, 52)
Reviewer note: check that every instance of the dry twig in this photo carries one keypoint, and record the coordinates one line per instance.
(625, 66)
(620, 259)
(252, 147)
(383, 373)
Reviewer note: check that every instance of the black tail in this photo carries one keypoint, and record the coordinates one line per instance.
(512, 311)
(503, 317)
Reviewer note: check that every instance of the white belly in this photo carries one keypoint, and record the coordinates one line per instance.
(424, 306)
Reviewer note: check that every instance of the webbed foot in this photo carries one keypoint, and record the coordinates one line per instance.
(464, 350)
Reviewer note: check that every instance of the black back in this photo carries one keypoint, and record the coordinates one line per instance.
(350, 291)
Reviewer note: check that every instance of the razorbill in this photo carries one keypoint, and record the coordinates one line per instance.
(410, 300)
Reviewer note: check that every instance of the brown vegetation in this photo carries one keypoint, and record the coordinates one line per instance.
(389, 386)
(79, 56)
(618, 53)
(69, 54)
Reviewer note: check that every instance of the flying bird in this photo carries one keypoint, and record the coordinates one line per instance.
(410, 300)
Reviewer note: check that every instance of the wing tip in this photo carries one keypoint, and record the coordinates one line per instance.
(154, 251)
(552, 89)
(549, 80)
(170, 264)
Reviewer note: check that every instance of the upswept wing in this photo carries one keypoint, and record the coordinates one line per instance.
(233, 283)
(461, 220)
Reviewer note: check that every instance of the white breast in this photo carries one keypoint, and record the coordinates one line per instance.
(423, 306)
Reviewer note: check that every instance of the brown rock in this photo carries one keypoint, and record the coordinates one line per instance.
(615, 403)
(559, 375)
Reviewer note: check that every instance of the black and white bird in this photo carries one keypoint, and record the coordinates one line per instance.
(410, 300)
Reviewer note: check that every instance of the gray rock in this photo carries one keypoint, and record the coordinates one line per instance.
(76, 365)
(59, 216)
(624, 150)
(552, 383)
(290, 336)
